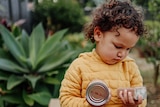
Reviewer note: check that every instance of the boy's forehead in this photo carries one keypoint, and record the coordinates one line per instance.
(126, 37)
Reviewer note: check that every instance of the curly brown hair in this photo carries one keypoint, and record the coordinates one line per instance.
(113, 15)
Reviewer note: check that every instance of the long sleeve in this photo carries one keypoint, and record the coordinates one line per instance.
(137, 79)
(70, 92)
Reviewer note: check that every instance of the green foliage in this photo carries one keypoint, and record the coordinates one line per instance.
(143, 3)
(150, 45)
(154, 9)
(81, 43)
(59, 15)
(31, 66)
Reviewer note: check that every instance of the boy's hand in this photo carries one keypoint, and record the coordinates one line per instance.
(128, 98)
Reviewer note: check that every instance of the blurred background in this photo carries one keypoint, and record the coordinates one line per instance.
(40, 38)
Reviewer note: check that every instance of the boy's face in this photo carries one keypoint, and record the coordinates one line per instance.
(112, 46)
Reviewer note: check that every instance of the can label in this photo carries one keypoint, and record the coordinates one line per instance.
(97, 93)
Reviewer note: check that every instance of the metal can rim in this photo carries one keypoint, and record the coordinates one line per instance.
(97, 83)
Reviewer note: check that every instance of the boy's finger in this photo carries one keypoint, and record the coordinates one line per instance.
(122, 97)
(126, 95)
(130, 98)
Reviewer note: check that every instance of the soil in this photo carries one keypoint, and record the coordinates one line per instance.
(147, 71)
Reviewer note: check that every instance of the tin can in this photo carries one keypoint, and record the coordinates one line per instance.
(97, 93)
(136, 91)
(140, 91)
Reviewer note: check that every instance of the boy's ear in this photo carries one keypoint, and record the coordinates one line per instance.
(97, 34)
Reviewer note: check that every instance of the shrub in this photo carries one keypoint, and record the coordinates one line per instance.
(31, 67)
(59, 15)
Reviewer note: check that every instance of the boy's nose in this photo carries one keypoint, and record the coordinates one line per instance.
(119, 54)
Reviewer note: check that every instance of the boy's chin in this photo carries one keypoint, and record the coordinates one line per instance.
(112, 62)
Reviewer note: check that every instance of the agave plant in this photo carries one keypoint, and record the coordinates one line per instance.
(29, 65)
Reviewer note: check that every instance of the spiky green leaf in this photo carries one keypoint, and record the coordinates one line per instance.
(50, 45)
(13, 81)
(27, 99)
(33, 79)
(25, 42)
(12, 98)
(13, 45)
(42, 98)
(52, 73)
(51, 80)
(8, 65)
(57, 61)
(35, 42)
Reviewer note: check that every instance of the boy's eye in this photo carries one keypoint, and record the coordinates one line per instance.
(118, 47)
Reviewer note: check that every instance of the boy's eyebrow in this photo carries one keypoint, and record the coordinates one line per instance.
(122, 45)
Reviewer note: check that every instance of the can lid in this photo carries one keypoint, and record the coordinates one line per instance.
(97, 93)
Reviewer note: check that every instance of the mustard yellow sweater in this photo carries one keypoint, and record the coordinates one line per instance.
(89, 66)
